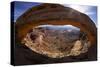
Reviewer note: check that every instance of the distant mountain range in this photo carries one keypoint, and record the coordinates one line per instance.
(60, 27)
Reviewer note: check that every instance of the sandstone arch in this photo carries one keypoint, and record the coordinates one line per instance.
(57, 15)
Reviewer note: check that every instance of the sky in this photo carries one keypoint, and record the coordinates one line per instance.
(21, 7)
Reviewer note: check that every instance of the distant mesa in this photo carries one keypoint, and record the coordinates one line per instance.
(57, 17)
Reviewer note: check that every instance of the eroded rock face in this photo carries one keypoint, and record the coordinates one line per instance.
(83, 46)
(54, 14)
(57, 41)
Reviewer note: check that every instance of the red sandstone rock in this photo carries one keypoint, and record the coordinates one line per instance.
(57, 42)
(55, 14)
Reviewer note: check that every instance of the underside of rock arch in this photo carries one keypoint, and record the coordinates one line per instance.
(54, 14)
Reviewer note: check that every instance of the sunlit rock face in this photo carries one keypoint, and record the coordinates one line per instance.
(57, 41)
(53, 40)
(54, 14)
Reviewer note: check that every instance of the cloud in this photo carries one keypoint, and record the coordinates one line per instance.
(91, 11)
(81, 8)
